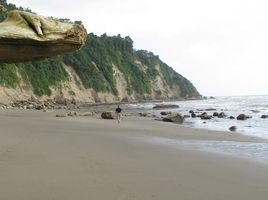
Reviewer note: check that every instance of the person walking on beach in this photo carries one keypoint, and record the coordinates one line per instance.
(118, 111)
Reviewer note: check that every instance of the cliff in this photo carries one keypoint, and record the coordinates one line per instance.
(106, 69)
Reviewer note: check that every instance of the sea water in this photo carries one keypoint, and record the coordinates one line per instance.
(254, 106)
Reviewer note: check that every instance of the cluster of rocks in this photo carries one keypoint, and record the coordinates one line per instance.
(206, 116)
(35, 104)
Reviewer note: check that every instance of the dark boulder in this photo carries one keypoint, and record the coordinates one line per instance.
(193, 115)
(231, 117)
(215, 114)
(221, 115)
(233, 128)
(242, 117)
(264, 116)
(164, 113)
(108, 115)
(191, 111)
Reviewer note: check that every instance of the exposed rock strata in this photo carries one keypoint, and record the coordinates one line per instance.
(25, 36)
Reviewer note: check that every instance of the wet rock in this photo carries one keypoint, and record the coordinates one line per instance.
(191, 111)
(215, 114)
(221, 115)
(264, 116)
(242, 117)
(108, 115)
(210, 109)
(165, 113)
(233, 128)
(193, 115)
(231, 117)
(165, 106)
(186, 116)
(206, 117)
(174, 117)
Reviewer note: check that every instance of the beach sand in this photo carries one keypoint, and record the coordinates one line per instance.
(79, 158)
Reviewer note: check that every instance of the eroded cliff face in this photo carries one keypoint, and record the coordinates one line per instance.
(72, 90)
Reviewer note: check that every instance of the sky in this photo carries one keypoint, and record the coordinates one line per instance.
(220, 46)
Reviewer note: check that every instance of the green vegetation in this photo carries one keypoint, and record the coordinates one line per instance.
(94, 64)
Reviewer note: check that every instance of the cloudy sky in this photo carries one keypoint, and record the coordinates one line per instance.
(220, 46)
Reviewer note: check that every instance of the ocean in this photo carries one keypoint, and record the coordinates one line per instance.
(253, 106)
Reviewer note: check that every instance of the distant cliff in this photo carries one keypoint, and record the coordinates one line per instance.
(107, 69)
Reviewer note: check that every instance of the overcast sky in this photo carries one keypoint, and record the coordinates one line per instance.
(220, 46)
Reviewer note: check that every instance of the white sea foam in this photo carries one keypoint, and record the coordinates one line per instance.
(254, 106)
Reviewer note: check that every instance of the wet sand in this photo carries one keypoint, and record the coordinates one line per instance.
(43, 158)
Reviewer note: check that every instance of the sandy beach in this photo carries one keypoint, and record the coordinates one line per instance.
(47, 158)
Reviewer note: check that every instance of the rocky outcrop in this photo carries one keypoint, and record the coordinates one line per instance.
(174, 117)
(26, 36)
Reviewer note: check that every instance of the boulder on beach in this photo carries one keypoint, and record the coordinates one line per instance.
(108, 115)
(193, 115)
(164, 113)
(221, 115)
(206, 116)
(165, 106)
(174, 117)
(233, 128)
(62, 115)
(215, 114)
(264, 116)
(242, 117)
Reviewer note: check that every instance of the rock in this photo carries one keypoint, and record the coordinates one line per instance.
(186, 116)
(62, 115)
(264, 116)
(165, 106)
(174, 117)
(233, 128)
(221, 115)
(193, 115)
(143, 114)
(215, 114)
(72, 113)
(165, 113)
(108, 115)
(86, 114)
(26, 36)
(206, 117)
(191, 111)
(242, 117)
(39, 107)
(231, 117)
(210, 109)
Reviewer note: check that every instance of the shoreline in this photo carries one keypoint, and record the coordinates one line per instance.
(44, 157)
